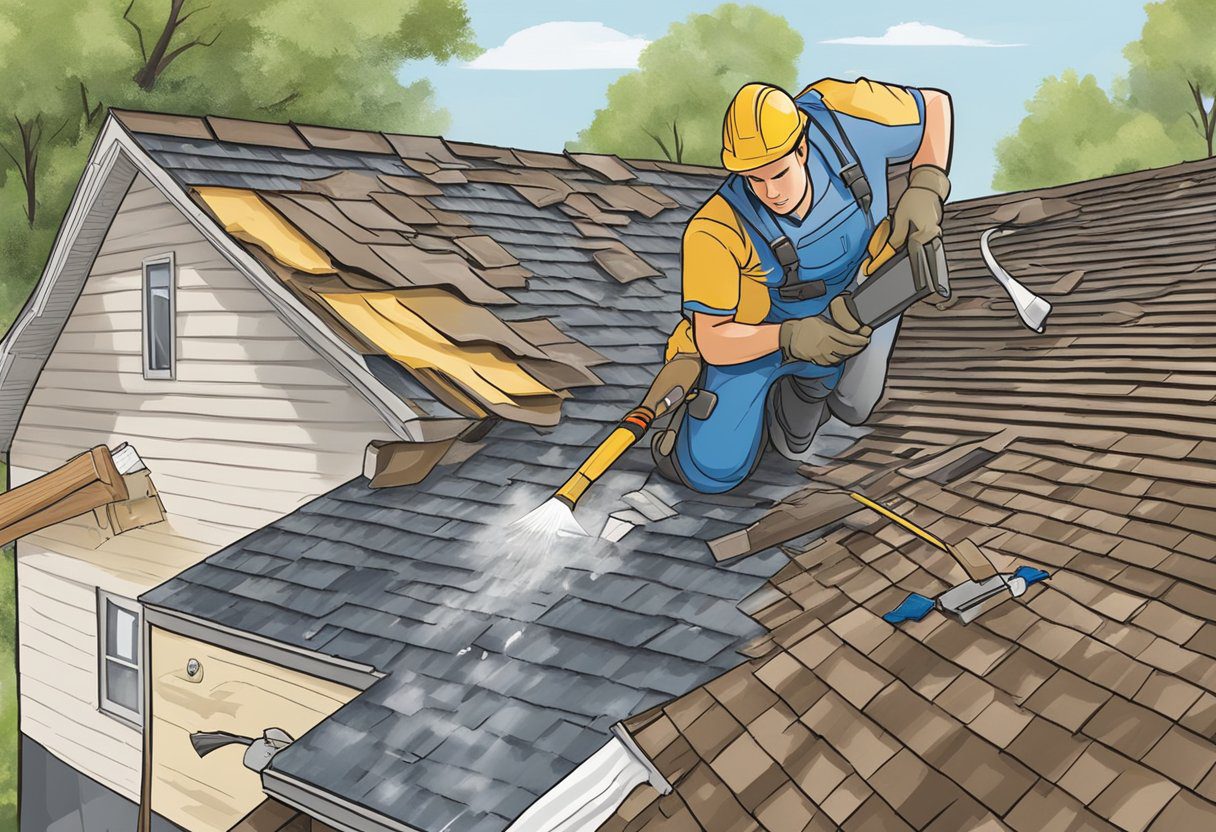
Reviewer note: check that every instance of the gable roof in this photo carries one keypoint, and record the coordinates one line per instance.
(1090, 701)
(384, 248)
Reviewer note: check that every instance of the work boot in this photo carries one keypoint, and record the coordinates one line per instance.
(794, 413)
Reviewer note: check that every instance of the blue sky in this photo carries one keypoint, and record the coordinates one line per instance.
(542, 109)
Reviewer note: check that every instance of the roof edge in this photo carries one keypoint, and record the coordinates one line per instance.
(319, 665)
(327, 807)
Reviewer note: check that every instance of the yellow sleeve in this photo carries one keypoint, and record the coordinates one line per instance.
(887, 104)
(717, 254)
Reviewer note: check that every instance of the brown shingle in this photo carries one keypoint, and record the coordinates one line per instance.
(997, 780)
(1134, 798)
(1020, 673)
(1184, 811)
(818, 769)
(240, 131)
(751, 774)
(1126, 727)
(1046, 748)
(846, 798)
(920, 668)
(862, 629)
(815, 648)
(1067, 699)
(780, 733)
(861, 742)
(917, 792)
(852, 675)
(333, 138)
(1092, 772)
(712, 803)
(1046, 808)
(1182, 756)
(712, 731)
(966, 697)
(745, 696)
(786, 810)
(163, 124)
(1000, 722)
(790, 680)
(912, 720)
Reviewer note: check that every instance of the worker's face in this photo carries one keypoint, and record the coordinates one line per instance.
(781, 185)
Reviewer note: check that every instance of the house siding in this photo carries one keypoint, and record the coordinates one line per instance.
(234, 693)
(254, 425)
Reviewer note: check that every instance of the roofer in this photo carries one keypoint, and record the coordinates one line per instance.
(802, 218)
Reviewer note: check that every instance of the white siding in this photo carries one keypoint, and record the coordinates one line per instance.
(254, 425)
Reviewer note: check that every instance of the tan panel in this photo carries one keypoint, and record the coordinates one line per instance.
(233, 693)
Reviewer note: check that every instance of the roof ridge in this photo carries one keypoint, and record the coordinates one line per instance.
(190, 124)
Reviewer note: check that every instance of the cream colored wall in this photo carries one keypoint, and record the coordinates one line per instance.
(255, 425)
(233, 693)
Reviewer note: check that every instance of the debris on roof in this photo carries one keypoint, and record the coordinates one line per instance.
(392, 464)
(244, 214)
(499, 383)
(385, 213)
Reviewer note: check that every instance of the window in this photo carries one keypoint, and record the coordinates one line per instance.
(159, 307)
(119, 650)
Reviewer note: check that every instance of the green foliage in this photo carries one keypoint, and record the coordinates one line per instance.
(672, 106)
(64, 62)
(1160, 114)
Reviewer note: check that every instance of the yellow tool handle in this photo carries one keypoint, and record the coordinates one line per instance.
(902, 521)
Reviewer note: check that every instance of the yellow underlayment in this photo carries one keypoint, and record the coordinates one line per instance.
(407, 338)
(246, 216)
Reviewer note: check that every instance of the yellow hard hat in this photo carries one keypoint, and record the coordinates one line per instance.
(762, 124)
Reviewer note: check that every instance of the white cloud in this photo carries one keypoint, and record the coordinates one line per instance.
(564, 44)
(919, 34)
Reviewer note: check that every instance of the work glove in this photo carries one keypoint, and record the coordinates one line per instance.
(918, 216)
(821, 341)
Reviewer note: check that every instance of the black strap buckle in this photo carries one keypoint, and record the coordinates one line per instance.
(855, 180)
(791, 288)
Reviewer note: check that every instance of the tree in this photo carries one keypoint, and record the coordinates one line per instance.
(1173, 69)
(1161, 113)
(672, 106)
(65, 62)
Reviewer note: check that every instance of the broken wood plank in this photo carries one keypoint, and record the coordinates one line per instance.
(390, 464)
(80, 485)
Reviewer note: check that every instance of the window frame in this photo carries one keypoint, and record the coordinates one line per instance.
(104, 704)
(146, 320)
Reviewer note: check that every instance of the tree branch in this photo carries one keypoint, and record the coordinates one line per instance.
(659, 142)
(190, 14)
(89, 114)
(176, 53)
(143, 54)
(10, 155)
(283, 102)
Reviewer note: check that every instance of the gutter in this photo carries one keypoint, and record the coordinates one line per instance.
(328, 807)
(589, 795)
(582, 800)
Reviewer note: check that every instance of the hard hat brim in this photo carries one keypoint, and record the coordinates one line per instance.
(736, 164)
